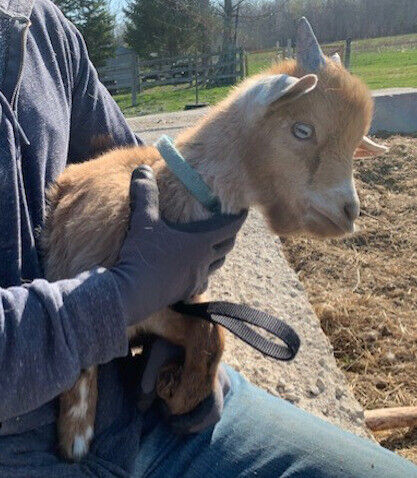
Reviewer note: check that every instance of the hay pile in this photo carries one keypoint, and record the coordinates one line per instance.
(364, 288)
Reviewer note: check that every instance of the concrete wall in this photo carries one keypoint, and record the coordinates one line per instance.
(395, 111)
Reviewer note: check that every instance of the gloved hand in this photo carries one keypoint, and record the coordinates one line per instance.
(206, 414)
(161, 264)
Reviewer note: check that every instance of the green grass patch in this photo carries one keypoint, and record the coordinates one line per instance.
(387, 69)
(168, 98)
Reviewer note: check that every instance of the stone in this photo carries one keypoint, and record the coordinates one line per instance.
(390, 357)
(321, 385)
(371, 336)
(313, 391)
(339, 393)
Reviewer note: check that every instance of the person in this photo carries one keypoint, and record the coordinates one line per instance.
(51, 105)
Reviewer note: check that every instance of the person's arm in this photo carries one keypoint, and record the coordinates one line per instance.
(50, 331)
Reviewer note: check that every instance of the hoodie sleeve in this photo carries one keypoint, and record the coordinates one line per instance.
(50, 331)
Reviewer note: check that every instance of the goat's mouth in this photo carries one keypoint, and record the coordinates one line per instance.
(325, 224)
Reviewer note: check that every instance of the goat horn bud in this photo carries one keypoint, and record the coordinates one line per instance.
(336, 58)
(309, 54)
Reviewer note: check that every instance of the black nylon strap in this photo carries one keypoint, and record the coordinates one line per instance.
(235, 318)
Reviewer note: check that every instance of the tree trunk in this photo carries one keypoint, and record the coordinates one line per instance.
(228, 26)
(206, 29)
(228, 47)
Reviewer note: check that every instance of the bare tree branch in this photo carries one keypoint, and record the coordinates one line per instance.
(237, 4)
(218, 11)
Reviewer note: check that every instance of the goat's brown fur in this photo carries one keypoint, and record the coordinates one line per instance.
(247, 159)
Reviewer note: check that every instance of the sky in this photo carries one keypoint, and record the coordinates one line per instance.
(117, 6)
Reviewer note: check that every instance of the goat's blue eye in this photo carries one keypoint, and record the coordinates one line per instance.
(302, 130)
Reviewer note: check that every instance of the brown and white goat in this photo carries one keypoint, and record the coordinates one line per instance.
(282, 141)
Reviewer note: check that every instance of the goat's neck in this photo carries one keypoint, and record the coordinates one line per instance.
(213, 149)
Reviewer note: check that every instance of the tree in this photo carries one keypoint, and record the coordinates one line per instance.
(264, 22)
(229, 11)
(167, 27)
(96, 24)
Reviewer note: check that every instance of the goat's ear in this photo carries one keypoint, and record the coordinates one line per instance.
(368, 148)
(271, 89)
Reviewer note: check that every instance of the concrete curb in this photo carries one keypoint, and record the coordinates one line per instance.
(395, 111)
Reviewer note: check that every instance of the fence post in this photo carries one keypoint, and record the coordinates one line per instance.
(210, 69)
(348, 53)
(139, 77)
(190, 70)
(204, 69)
(134, 79)
(241, 63)
(196, 79)
(246, 65)
(280, 52)
(288, 50)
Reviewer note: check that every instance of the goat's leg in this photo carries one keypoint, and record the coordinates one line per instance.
(76, 416)
(184, 385)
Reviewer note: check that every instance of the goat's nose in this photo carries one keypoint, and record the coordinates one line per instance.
(351, 210)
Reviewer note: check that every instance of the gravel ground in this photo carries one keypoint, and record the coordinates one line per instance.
(257, 274)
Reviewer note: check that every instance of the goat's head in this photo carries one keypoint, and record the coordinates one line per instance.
(305, 121)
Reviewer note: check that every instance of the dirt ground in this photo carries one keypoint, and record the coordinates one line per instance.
(364, 288)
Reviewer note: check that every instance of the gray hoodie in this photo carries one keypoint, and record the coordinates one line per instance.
(51, 104)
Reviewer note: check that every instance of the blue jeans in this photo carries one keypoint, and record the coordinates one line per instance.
(264, 436)
(259, 435)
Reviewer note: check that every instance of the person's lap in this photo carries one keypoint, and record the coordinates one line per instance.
(258, 435)
(264, 436)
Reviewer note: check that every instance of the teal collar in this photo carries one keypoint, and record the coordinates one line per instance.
(189, 177)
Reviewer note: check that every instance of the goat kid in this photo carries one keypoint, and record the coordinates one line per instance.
(282, 141)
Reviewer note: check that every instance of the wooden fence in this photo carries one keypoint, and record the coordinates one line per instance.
(127, 72)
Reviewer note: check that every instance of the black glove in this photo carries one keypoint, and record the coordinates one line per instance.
(161, 264)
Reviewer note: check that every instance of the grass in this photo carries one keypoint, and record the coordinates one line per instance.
(386, 69)
(167, 98)
(383, 43)
(381, 62)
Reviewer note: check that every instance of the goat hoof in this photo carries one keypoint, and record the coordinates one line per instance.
(181, 394)
(76, 446)
(169, 379)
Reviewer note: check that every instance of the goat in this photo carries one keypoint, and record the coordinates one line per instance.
(282, 141)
